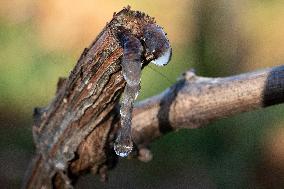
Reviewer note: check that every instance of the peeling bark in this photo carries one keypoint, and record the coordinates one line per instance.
(75, 133)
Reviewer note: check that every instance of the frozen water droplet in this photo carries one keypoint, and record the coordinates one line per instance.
(131, 71)
(123, 147)
(157, 44)
(123, 144)
(164, 59)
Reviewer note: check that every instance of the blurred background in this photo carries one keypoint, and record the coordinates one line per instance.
(42, 40)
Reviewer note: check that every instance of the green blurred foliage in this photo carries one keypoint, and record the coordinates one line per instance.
(28, 74)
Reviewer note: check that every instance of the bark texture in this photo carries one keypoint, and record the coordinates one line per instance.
(196, 101)
(75, 133)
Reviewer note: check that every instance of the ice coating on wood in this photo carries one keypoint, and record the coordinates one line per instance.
(164, 59)
(131, 61)
(157, 44)
(131, 70)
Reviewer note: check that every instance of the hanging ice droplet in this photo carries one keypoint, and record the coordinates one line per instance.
(123, 144)
(164, 58)
(131, 71)
(121, 149)
(157, 44)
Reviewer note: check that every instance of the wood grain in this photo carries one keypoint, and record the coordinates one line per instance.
(72, 134)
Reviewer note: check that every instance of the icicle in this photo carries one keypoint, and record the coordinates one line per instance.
(131, 70)
(157, 46)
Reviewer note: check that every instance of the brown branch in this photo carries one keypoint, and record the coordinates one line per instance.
(75, 133)
(195, 101)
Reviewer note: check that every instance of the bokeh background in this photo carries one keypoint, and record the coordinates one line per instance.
(41, 41)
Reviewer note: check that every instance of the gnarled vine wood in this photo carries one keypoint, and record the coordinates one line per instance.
(79, 126)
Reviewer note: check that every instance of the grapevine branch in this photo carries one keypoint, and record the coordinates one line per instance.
(195, 101)
(81, 123)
